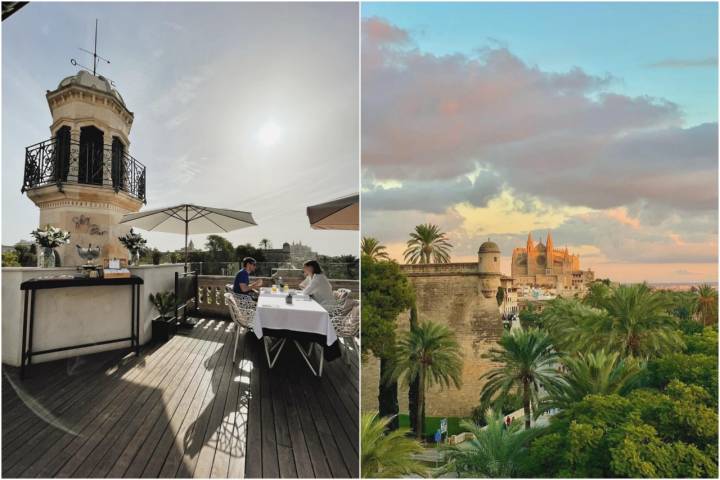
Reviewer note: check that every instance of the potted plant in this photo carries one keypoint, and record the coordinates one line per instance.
(135, 244)
(48, 239)
(164, 325)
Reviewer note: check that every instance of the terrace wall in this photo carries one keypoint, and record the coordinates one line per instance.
(70, 316)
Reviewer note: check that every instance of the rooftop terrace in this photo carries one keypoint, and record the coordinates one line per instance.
(182, 409)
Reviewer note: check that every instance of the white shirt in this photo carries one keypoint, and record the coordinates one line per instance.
(319, 287)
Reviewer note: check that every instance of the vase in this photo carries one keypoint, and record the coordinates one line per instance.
(45, 257)
(134, 258)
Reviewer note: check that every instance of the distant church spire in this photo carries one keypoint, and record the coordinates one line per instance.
(549, 249)
(530, 246)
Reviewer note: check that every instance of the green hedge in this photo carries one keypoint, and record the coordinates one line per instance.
(432, 424)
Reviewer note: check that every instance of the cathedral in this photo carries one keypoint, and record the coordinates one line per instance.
(543, 265)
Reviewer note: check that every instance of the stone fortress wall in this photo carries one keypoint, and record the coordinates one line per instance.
(462, 296)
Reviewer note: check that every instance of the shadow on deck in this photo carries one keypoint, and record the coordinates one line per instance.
(182, 409)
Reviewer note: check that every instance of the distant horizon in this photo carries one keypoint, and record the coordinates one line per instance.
(197, 245)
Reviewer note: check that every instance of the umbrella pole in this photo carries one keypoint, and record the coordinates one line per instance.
(186, 237)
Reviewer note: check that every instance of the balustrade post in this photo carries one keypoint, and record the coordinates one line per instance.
(74, 163)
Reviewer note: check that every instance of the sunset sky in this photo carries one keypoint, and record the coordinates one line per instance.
(595, 121)
(246, 106)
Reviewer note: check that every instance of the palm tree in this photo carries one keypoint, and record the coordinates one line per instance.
(387, 454)
(265, 243)
(373, 248)
(429, 354)
(597, 294)
(528, 362)
(427, 244)
(631, 320)
(594, 373)
(684, 305)
(634, 321)
(495, 452)
(707, 304)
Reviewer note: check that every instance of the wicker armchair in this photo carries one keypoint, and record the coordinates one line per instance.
(341, 294)
(346, 325)
(242, 311)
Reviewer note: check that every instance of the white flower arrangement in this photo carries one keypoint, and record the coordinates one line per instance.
(51, 237)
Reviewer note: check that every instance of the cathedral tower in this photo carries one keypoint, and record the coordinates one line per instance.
(549, 248)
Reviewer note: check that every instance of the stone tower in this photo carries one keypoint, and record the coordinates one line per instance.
(489, 268)
(83, 178)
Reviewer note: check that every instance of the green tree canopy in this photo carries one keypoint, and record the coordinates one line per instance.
(386, 292)
(632, 320)
(592, 373)
(10, 259)
(647, 434)
(248, 250)
(219, 249)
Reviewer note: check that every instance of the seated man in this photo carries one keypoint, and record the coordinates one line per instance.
(242, 284)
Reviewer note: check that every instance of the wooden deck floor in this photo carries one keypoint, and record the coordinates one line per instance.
(182, 409)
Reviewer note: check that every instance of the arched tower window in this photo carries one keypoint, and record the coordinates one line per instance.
(91, 156)
(62, 154)
(118, 164)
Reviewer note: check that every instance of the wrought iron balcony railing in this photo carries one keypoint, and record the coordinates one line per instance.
(59, 161)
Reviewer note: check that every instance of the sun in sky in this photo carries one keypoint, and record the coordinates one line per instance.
(269, 134)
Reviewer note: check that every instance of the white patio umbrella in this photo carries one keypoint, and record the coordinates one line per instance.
(339, 214)
(190, 220)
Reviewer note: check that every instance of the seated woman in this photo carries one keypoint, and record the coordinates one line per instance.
(317, 285)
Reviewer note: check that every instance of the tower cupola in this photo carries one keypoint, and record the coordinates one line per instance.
(83, 177)
(489, 258)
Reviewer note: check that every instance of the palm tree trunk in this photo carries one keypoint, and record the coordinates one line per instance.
(415, 384)
(421, 405)
(526, 403)
(387, 397)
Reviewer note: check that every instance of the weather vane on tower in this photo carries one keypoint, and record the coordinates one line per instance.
(94, 54)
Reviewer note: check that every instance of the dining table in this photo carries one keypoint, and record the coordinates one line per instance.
(301, 320)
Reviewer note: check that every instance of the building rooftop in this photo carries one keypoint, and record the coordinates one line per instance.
(94, 82)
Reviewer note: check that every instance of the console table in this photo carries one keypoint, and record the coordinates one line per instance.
(30, 287)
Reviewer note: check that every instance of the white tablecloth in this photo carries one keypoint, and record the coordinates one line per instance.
(303, 315)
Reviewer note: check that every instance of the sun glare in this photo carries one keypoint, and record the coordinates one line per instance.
(269, 134)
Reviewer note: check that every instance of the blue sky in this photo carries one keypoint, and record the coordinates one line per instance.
(597, 122)
(207, 82)
(622, 39)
